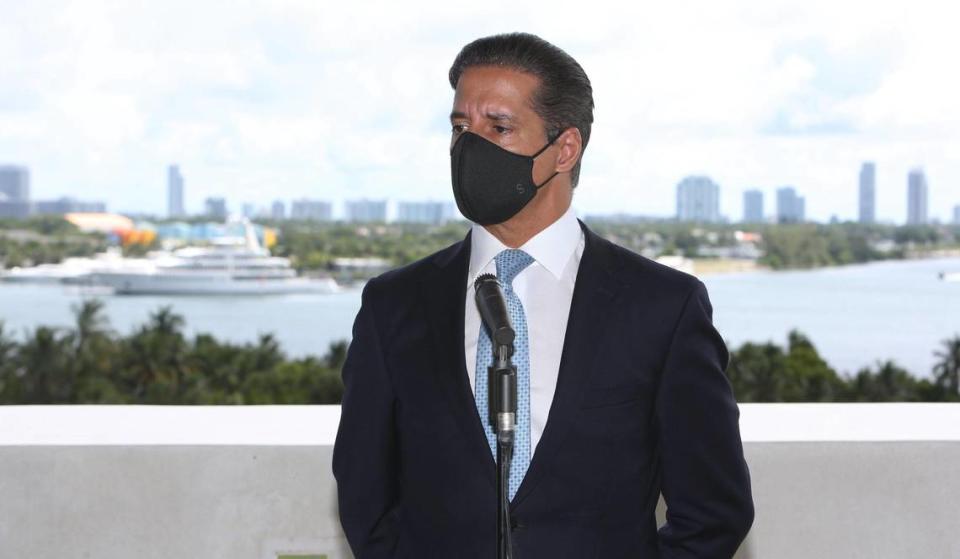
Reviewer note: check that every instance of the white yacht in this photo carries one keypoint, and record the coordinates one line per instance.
(74, 269)
(229, 266)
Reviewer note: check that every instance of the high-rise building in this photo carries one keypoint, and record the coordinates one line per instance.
(791, 208)
(175, 192)
(868, 178)
(916, 197)
(956, 214)
(753, 206)
(316, 210)
(698, 199)
(15, 183)
(14, 191)
(215, 208)
(278, 210)
(424, 212)
(367, 210)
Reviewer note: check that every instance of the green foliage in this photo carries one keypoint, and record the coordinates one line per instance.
(756, 372)
(809, 245)
(42, 224)
(947, 369)
(157, 364)
(889, 383)
(784, 246)
(769, 373)
(44, 239)
(313, 245)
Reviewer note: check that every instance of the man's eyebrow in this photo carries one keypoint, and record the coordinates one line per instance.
(506, 117)
(502, 117)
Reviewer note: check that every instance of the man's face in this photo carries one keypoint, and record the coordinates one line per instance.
(495, 103)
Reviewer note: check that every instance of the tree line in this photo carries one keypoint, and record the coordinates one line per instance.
(313, 245)
(786, 245)
(767, 372)
(157, 363)
(44, 239)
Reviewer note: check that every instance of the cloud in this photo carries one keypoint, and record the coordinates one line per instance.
(264, 100)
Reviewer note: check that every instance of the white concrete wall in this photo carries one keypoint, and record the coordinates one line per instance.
(109, 482)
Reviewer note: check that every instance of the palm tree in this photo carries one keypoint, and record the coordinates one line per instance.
(266, 353)
(890, 383)
(947, 369)
(756, 372)
(47, 377)
(90, 321)
(155, 356)
(94, 353)
(165, 322)
(9, 381)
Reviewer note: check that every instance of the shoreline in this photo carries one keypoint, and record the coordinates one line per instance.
(717, 266)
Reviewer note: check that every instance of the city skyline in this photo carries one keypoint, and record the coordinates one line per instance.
(289, 99)
(697, 199)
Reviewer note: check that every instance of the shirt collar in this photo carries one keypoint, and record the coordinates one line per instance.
(551, 247)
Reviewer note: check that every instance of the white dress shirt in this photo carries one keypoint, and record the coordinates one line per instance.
(545, 288)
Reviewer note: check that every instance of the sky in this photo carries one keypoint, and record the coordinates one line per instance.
(264, 100)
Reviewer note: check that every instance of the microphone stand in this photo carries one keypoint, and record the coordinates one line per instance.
(502, 397)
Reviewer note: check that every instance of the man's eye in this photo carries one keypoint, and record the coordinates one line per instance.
(458, 128)
(501, 129)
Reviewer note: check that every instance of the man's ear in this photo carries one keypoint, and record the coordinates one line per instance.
(571, 144)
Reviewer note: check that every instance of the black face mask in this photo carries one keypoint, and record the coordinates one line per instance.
(491, 184)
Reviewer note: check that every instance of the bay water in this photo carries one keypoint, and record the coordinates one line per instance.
(855, 315)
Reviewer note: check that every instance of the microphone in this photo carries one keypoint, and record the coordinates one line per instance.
(501, 396)
(502, 375)
(493, 311)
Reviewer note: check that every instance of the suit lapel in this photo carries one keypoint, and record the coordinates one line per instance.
(444, 294)
(594, 295)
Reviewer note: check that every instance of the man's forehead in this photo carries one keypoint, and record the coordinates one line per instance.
(494, 92)
(503, 79)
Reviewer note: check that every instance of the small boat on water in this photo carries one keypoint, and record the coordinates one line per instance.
(949, 276)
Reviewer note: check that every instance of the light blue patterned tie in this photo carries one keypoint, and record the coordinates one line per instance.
(509, 263)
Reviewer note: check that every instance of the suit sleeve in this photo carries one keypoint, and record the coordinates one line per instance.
(365, 461)
(705, 480)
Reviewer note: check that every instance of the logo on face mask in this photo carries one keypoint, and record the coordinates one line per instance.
(491, 184)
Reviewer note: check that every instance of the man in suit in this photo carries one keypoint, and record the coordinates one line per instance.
(621, 386)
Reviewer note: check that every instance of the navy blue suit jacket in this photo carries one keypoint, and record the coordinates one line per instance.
(642, 406)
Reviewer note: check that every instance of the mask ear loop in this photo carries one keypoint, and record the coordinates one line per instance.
(541, 150)
(548, 144)
(537, 186)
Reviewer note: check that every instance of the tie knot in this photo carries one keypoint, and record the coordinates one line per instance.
(511, 262)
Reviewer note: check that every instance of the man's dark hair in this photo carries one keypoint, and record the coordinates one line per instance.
(564, 98)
